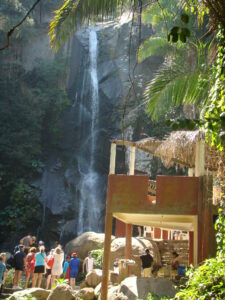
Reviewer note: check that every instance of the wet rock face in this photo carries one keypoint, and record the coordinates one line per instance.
(67, 185)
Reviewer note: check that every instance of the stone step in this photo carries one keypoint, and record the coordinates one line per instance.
(5, 295)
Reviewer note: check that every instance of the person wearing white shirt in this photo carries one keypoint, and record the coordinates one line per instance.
(88, 263)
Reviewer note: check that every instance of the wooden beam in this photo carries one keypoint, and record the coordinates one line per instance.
(128, 248)
(195, 223)
(106, 257)
(124, 143)
(112, 166)
(129, 227)
(132, 160)
(200, 158)
(190, 172)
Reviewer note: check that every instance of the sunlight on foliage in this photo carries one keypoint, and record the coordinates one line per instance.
(75, 13)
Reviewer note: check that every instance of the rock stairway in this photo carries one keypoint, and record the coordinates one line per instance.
(7, 292)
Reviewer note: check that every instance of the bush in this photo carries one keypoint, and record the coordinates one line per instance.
(9, 278)
(205, 282)
(98, 257)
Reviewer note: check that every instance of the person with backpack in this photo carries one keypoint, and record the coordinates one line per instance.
(39, 268)
(20, 263)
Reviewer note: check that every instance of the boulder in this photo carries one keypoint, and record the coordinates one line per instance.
(86, 294)
(118, 296)
(83, 284)
(98, 290)
(86, 242)
(139, 287)
(37, 293)
(94, 277)
(112, 292)
(139, 244)
(62, 292)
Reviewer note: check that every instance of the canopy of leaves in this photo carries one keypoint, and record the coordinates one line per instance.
(74, 13)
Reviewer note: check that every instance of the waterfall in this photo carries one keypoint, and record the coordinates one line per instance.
(88, 208)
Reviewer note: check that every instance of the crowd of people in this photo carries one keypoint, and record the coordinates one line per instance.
(36, 262)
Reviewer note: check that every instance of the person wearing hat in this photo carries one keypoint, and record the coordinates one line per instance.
(74, 269)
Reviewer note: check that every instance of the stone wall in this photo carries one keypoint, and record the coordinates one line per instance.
(166, 247)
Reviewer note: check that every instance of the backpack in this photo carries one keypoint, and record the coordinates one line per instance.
(11, 261)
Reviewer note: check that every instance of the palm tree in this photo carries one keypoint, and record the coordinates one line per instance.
(75, 13)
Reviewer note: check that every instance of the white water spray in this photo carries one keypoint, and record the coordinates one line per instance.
(88, 212)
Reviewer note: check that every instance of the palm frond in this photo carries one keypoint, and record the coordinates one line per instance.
(153, 46)
(74, 13)
(173, 85)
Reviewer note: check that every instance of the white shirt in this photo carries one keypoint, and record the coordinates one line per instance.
(89, 264)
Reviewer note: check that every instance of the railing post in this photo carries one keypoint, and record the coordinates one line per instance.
(129, 227)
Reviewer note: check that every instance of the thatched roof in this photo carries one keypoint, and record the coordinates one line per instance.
(178, 148)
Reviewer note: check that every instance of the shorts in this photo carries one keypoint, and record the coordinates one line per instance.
(19, 268)
(39, 269)
(48, 272)
(147, 272)
(73, 274)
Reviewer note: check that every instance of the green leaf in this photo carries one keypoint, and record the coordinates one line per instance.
(185, 18)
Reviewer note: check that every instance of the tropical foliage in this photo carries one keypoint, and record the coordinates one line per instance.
(33, 101)
(74, 13)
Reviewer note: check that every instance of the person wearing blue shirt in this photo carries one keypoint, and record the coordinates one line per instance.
(66, 266)
(2, 271)
(39, 268)
(74, 265)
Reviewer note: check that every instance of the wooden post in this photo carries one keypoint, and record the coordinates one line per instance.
(112, 166)
(108, 232)
(106, 258)
(195, 241)
(129, 227)
(190, 172)
(132, 160)
(200, 158)
(128, 248)
(191, 248)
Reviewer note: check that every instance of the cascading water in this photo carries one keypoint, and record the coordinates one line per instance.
(88, 210)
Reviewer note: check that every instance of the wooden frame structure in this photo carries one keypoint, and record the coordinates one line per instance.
(182, 203)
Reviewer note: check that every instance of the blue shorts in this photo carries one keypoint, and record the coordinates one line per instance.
(73, 274)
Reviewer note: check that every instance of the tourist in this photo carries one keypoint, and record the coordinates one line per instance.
(57, 269)
(175, 260)
(41, 243)
(49, 265)
(28, 242)
(74, 269)
(20, 262)
(2, 271)
(30, 264)
(88, 263)
(39, 268)
(66, 266)
(147, 261)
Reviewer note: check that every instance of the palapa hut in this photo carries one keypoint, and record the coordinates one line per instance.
(182, 202)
